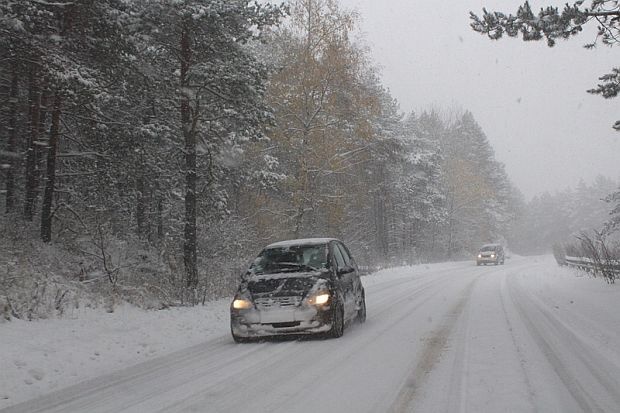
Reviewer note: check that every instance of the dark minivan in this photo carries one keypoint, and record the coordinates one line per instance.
(298, 287)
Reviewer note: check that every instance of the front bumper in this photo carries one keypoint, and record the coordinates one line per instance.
(487, 260)
(256, 322)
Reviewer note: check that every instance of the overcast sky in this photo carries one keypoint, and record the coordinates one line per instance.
(530, 99)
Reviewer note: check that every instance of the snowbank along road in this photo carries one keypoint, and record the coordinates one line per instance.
(524, 337)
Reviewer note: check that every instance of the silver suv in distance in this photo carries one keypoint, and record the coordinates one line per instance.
(490, 254)
(298, 287)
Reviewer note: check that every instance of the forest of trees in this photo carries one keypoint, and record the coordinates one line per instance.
(152, 147)
(559, 218)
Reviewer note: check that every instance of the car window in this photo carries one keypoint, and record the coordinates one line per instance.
(295, 258)
(338, 256)
(345, 254)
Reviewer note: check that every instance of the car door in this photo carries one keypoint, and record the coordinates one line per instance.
(347, 274)
(357, 282)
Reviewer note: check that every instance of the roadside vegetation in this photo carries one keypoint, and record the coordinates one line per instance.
(149, 149)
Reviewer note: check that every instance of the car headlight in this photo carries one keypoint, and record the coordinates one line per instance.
(479, 255)
(319, 298)
(241, 304)
(492, 255)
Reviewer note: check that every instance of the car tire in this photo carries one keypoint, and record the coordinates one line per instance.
(337, 329)
(361, 312)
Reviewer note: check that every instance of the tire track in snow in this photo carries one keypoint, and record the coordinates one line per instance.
(407, 301)
(87, 395)
(387, 301)
(405, 280)
(569, 356)
(396, 302)
(457, 393)
(431, 353)
(531, 392)
(217, 390)
(458, 381)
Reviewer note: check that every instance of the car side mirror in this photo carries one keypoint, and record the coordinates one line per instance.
(347, 269)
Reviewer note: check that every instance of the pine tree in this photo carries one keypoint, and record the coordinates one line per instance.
(551, 24)
(478, 192)
(218, 88)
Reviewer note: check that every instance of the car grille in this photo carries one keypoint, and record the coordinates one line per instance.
(277, 302)
(286, 325)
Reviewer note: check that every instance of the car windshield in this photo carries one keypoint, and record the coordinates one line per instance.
(294, 258)
(488, 248)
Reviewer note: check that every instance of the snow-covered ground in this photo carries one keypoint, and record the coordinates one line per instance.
(526, 336)
(41, 356)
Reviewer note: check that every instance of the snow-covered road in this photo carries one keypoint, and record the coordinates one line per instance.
(524, 337)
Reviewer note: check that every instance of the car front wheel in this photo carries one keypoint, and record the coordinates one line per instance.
(361, 312)
(337, 329)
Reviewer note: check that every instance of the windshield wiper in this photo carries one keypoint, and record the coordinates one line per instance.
(298, 265)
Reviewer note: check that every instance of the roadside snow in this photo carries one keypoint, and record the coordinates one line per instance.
(41, 356)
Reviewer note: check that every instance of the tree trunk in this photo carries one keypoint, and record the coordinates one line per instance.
(381, 235)
(40, 159)
(450, 229)
(189, 134)
(50, 179)
(302, 191)
(31, 153)
(160, 216)
(141, 204)
(12, 144)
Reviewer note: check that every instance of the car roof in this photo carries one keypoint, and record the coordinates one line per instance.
(491, 245)
(301, 241)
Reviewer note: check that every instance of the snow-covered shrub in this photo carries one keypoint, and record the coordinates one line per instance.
(225, 252)
(126, 268)
(41, 280)
(596, 253)
(36, 280)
